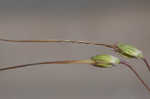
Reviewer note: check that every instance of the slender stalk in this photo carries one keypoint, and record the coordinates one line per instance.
(146, 62)
(88, 61)
(137, 75)
(58, 41)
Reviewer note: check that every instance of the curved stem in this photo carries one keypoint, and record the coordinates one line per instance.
(58, 41)
(137, 75)
(88, 61)
(147, 64)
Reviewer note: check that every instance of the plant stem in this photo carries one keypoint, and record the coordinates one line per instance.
(146, 62)
(57, 41)
(137, 75)
(88, 61)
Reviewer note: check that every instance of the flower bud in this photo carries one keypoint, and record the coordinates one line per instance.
(105, 60)
(129, 51)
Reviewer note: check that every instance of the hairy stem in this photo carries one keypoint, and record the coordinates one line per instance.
(88, 61)
(57, 41)
(137, 75)
(146, 62)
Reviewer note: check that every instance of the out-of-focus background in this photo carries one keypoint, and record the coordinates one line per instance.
(106, 21)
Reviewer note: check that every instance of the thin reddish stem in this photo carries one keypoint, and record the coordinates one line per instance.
(58, 41)
(147, 64)
(137, 75)
(51, 62)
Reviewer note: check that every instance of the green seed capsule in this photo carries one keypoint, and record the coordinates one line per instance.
(105, 60)
(129, 51)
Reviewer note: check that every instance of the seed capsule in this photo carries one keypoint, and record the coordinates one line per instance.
(105, 60)
(129, 51)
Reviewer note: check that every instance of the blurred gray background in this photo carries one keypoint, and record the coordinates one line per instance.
(106, 21)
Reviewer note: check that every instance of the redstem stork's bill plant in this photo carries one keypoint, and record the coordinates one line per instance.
(124, 49)
(104, 61)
